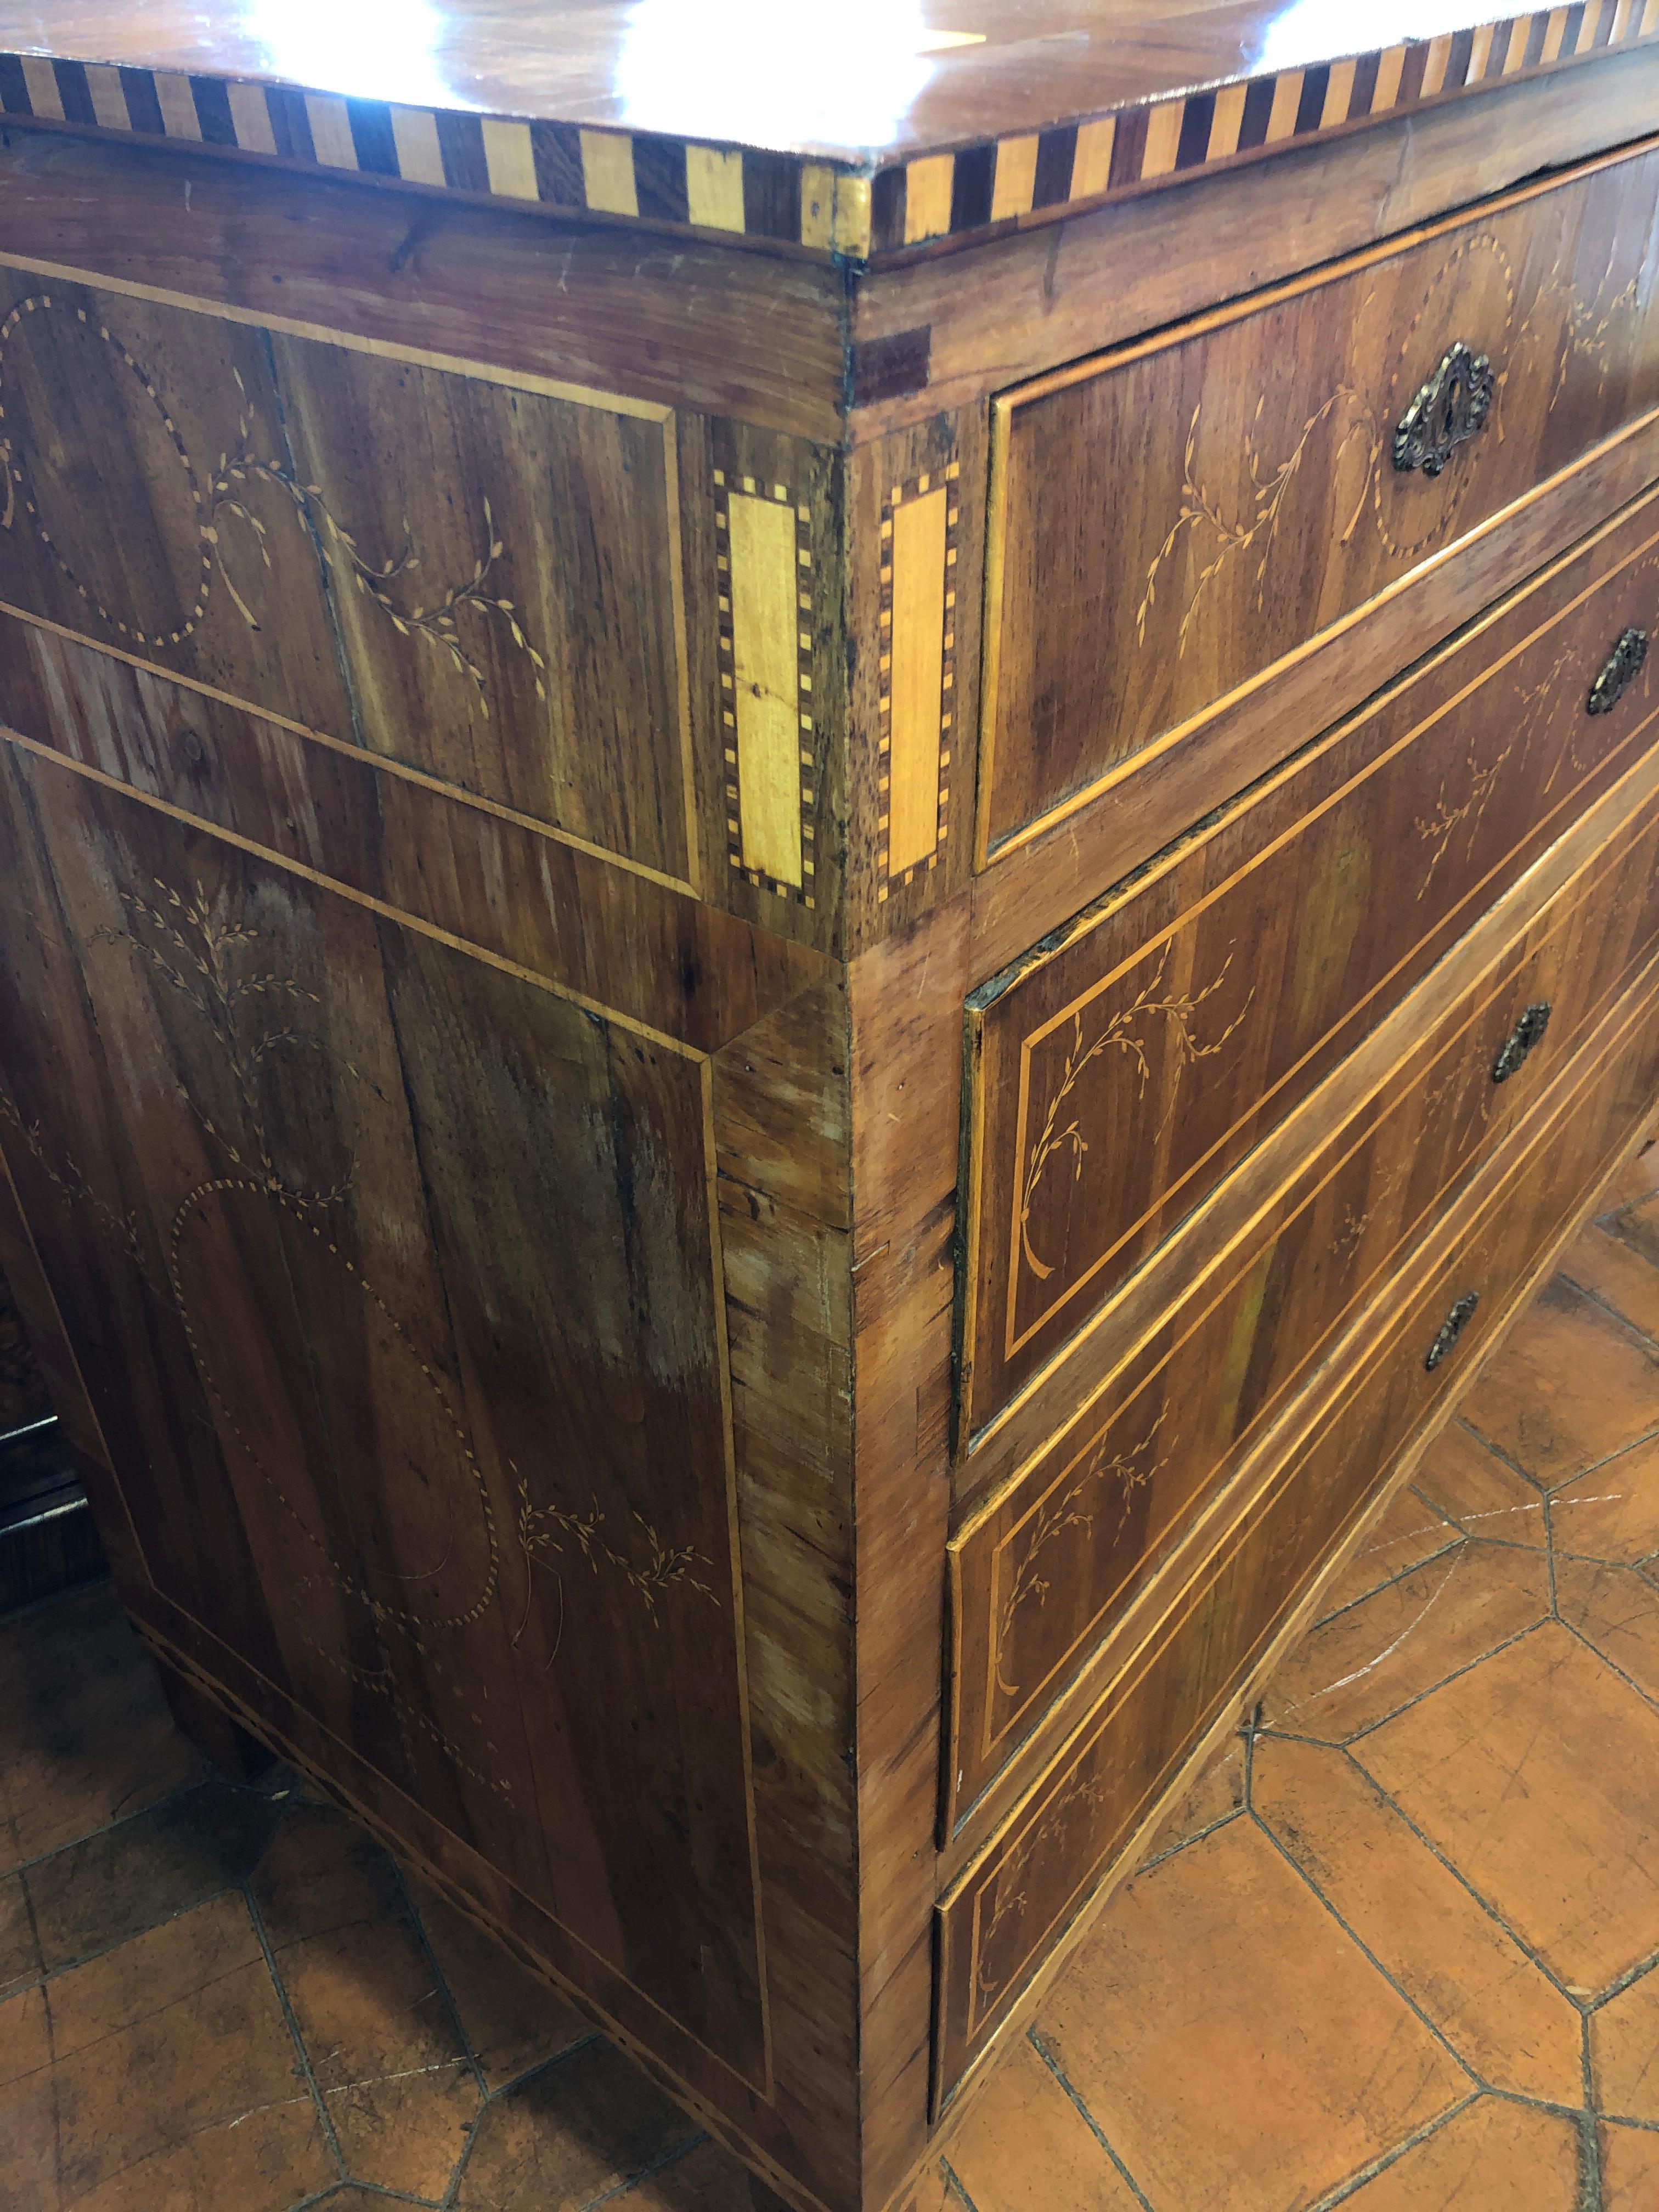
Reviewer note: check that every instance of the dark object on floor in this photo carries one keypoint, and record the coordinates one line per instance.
(47, 1541)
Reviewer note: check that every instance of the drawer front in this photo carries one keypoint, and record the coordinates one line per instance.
(1118, 1072)
(1044, 1573)
(1171, 520)
(1011, 1904)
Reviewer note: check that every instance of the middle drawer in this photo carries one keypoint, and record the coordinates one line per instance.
(1042, 1574)
(1121, 1067)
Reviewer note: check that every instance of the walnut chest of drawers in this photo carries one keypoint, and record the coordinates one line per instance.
(821, 871)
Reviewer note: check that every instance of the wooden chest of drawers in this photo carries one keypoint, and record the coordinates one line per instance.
(797, 947)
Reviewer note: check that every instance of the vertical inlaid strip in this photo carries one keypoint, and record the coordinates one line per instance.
(764, 558)
(917, 670)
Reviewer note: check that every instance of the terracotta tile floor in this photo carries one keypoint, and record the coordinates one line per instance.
(1397, 1950)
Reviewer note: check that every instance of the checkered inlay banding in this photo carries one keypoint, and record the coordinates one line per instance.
(663, 182)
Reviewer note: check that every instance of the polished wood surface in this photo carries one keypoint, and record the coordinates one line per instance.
(1118, 1072)
(1043, 1573)
(1169, 523)
(1318, 1482)
(901, 86)
(896, 136)
(494, 708)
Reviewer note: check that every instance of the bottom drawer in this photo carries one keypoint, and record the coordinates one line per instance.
(1315, 1476)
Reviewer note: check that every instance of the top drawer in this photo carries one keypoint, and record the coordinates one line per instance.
(1171, 520)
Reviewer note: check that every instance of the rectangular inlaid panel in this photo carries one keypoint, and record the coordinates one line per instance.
(1173, 520)
(1043, 1574)
(1011, 1905)
(397, 1283)
(917, 687)
(478, 576)
(1115, 1075)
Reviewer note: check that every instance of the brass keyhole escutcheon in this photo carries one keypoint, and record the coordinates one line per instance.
(1455, 403)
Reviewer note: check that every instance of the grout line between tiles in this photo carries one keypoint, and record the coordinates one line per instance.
(953, 2184)
(109, 1828)
(441, 1981)
(1549, 1489)
(1366, 1952)
(1355, 2182)
(1592, 1297)
(308, 2074)
(1596, 1651)
(670, 2157)
(1454, 1869)
(1418, 1696)
(1458, 1537)
(1034, 2037)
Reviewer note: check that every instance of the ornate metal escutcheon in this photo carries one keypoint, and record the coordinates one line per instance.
(1454, 403)
(1451, 1328)
(1533, 1021)
(1622, 664)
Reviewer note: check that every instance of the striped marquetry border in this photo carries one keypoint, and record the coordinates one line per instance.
(655, 181)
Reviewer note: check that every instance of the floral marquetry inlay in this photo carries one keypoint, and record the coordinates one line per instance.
(328, 1130)
(478, 576)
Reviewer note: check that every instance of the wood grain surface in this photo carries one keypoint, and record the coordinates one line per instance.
(1315, 1475)
(1197, 513)
(1118, 1072)
(1042, 1574)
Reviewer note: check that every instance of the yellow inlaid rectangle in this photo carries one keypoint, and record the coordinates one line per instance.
(714, 187)
(1339, 94)
(250, 118)
(1287, 99)
(1389, 70)
(1016, 178)
(330, 130)
(917, 679)
(927, 187)
(760, 544)
(1162, 138)
(608, 173)
(109, 99)
(420, 155)
(1226, 122)
(178, 105)
(1481, 53)
(1091, 163)
(1435, 65)
(41, 81)
(510, 162)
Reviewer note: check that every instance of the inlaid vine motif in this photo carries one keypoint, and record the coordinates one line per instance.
(1252, 528)
(221, 494)
(1563, 318)
(1442, 826)
(1082, 1797)
(547, 1532)
(1069, 1507)
(1125, 1032)
(205, 953)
